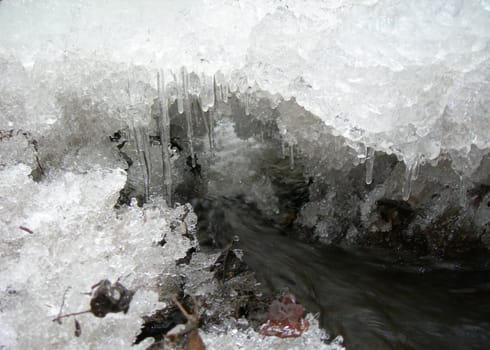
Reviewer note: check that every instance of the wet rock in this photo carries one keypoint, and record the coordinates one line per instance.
(229, 263)
(188, 256)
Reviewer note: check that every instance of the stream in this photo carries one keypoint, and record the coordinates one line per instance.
(374, 300)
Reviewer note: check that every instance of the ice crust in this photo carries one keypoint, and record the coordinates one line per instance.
(402, 77)
(315, 338)
(78, 239)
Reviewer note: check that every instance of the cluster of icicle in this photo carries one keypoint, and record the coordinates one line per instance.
(411, 171)
(182, 87)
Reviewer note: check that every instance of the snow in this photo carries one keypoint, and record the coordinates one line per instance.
(315, 338)
(402, 77)
(77, 240)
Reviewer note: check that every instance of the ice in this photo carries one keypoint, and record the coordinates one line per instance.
(329, 84)
(369, 165)
(291, 157)
(77, 240)
(164, 130)
(414, 79)
(187, 111)
(407, 184)
(143, 157)
(314, 338)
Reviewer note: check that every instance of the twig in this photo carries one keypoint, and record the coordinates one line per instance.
(78, 329)
(57, 319)
(23, 228)
(62, 305)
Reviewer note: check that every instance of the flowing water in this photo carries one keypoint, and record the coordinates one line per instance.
(374, 301)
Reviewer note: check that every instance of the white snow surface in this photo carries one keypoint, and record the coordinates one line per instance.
(402, 76)
(77, 240)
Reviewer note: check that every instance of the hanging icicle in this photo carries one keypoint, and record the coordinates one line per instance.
(369, 165)
(408, 181)
(291, 157)
(416, 169)
(361, 152)
(217, 93)
(233, 83)
(142, 148)
(462, 191)
(207, 95)
(181, 92)
(217, 87)
(246, 96)
(164, 129)
(211, 129)
(283, 149)
(206, 125)
(195, 84)
(188, 114)
(225, 92)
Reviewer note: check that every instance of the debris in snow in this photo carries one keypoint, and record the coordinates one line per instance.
(106, 298)
(285, 319)
(110, 298)
(78, 328)
(229, 263)
(26, 229)
(185, 336)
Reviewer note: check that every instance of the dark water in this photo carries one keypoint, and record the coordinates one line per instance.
(374, 301)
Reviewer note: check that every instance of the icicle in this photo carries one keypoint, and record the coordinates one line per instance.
(361, 149)
(214, 92)
(147, 160)
(407, 184)
(247, 107)
(369, 165)
(291, 157)
(207, 93)
(224, 93)
(416, 169)
(233, 83)
(206, 126)
(211, 129)
(194, 87)
(129, 93)
(188, 115)
(462, 191)
(171, 93)
(217, 92)
(180, 103)
(160, 84)
(181, 92)
(242, 83)
(140, 138)
(217, 89)
(164, 128)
